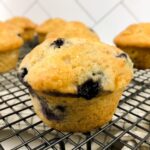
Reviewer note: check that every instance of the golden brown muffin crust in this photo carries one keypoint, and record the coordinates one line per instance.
(11, 27)
(62, 69)
(50, 25)
(9, 41)
(135, 35)
(74, 29)
(22, 22)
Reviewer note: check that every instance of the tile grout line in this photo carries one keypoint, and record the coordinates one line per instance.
(7, 8)
(44, 10)
(31, 5)
(85, 11)
(106, 14)
(129, 11)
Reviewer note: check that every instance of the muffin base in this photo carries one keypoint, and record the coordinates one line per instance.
(80, 115)
(8, 60)
(139, 56)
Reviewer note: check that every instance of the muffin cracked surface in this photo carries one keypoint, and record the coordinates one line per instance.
(73, 64)
(76, 86)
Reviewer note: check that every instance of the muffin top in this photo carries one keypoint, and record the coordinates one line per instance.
(22, 22)
(11, 27)
(9, 41)
(76, 67)
(136, 35)
(74, 29)
(50, 25)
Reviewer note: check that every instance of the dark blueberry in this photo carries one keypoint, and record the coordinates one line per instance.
(22, 73)
(99, 73)
(122, 55)
(58, 43)
(19, 34)
(89, 89)
(60, 108)
(49, 114)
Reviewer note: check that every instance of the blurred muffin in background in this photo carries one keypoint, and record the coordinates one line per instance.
(27, 25)
(12, 28)
(10, 42)
(49, 26)
(135, 40)
(74, 29)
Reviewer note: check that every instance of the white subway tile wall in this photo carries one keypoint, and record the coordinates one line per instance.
(106, 17)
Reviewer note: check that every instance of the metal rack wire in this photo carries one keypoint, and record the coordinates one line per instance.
(129, 128)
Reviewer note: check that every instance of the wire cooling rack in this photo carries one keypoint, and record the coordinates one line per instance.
(20, 128)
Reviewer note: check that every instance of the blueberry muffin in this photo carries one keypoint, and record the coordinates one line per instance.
(74, 29)
(27, 25)
(135, 40)
(75, 84)
(12, 28)
(9, 45)
(49, 26)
